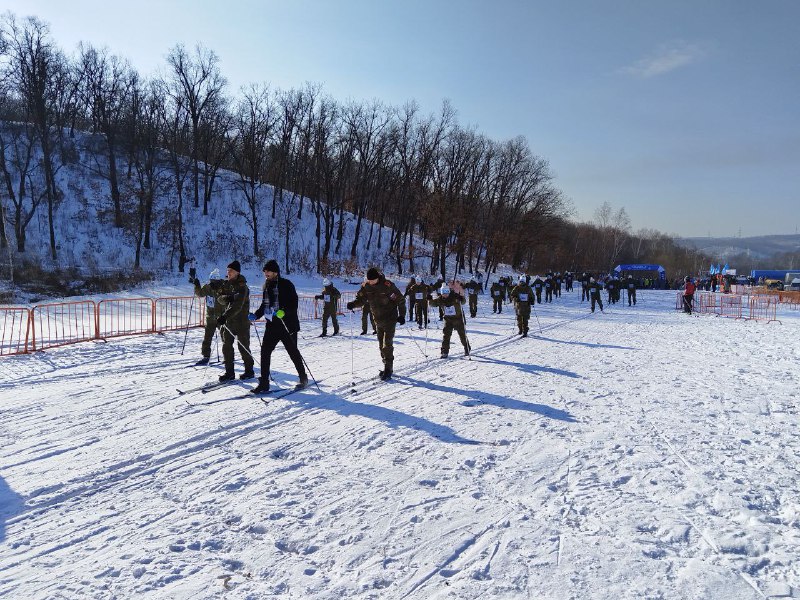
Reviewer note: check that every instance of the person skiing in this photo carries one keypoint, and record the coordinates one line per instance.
(233, 323)
(593, 290)
(630, 285)
(419, 298)
(585, 286)
(496, 291)
(522, 295)
(412, 282)
(451, 302)
(537, 286)
(279, 309)
(389, 309)
(367, 316)
(330, 298)
(548, 287)
(472, 288)
(688, 294)
(211, 292)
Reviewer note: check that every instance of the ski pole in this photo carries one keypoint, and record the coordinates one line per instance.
(298, 351)
(464, 320)
(352, 355)
(188, 319)
(413, 339)
(535, 314)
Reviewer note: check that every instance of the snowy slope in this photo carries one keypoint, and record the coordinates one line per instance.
(639, 453)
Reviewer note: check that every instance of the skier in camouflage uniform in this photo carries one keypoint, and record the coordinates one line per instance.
(211, 292)
(522, 295)
(419, 298)
(233, 322)
(472, 288)
(496, 291)
(389, 309)
(408, 294)
(451, 302)
(330, 298)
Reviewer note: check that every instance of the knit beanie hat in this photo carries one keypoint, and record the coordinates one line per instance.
(373, 273)
(272, 266)
(235, 266)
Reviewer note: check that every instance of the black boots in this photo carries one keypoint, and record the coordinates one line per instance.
(202, 361)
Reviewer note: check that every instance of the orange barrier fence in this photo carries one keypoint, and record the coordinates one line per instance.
(61, 324)
(763, 308)
(759, 307)
(792, 299)
(15, 327)
(171, 314)
(730, 306)
(129, 316)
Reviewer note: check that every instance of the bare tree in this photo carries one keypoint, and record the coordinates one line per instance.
(104, 84)
(255, 118)
(41, 78)
(198, 82)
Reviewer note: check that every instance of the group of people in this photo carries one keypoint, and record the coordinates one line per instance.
(382, 303)
(228, 311)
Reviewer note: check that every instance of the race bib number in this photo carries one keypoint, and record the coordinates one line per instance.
(210, 302)
(449, 311)
(496, 294)
(547, 285)
(523, 297)
(472, 291)
(326, 297)
(630, 286)
(418, 295)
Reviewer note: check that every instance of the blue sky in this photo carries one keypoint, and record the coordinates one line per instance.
(684, 112)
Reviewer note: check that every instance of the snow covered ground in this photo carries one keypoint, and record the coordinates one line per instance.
(639, 453)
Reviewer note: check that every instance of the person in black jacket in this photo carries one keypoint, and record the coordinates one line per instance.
(279, 308)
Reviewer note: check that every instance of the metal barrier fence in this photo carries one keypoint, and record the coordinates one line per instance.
(24, 330)
(60, 324)
(760, 307)
(15, 330)
(178, 312)
(129, 316)
(763, 308)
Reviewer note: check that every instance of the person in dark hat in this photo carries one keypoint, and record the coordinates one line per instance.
(233, 323)
(279, 308)
(388, 306)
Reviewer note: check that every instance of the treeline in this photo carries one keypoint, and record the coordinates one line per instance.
(470, 200)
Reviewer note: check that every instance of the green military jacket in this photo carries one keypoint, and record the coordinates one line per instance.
(451, 305)
(419, 292)
(384, 299)
(497, 291)
(522, 294)
(472, 288)
(330, 296)
(235, 300)
(211, 292)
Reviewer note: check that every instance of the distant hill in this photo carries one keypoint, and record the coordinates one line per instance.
(758, 247)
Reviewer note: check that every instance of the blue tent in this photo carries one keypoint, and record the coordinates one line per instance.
(661, 273)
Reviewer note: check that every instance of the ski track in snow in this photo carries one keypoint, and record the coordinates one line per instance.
(637, 453)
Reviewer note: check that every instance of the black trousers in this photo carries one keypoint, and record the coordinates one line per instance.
(275, 332)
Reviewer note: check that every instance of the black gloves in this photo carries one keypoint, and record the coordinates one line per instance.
(430, 296)
(318, 297)
(401, 319)
(194, 280)
(350, 305)
(221, 320)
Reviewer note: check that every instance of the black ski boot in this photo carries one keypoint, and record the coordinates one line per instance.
(202, 361)
(261, 388)
(302, 384)
(248, 374)
(227, 376)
